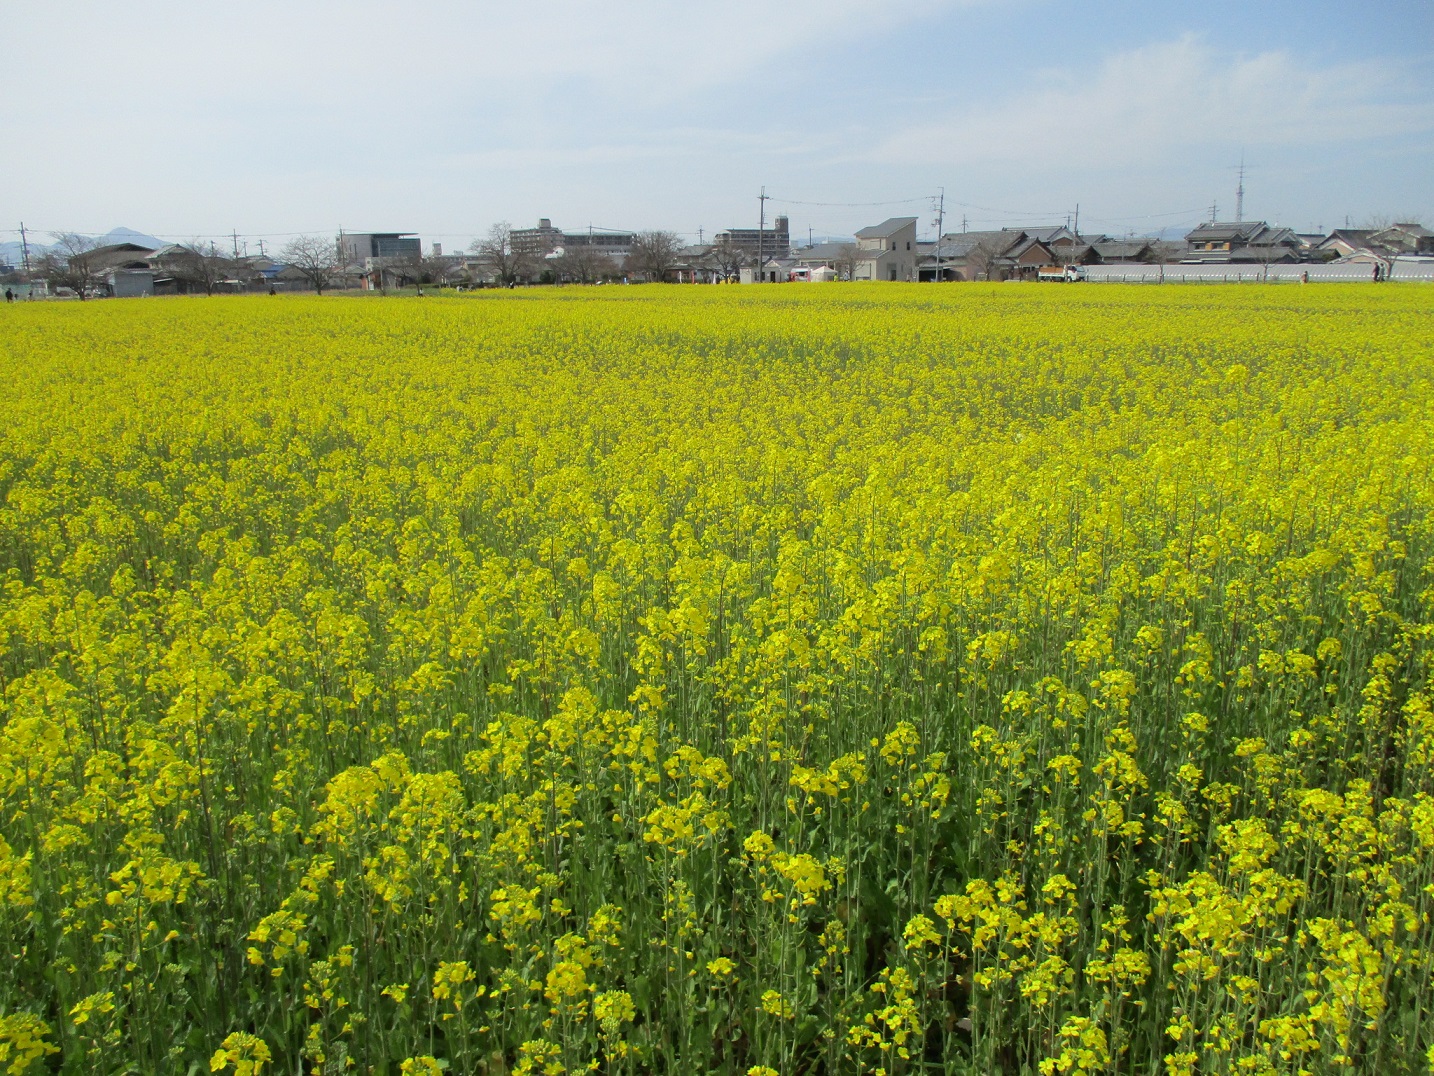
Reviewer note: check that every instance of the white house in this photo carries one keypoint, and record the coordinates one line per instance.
(887, 250)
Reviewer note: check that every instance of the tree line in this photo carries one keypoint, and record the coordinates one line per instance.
(82, 264)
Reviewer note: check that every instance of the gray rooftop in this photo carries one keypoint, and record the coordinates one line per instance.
(825, 252)
(886, 229)
(1121, 248)
(1229, 229)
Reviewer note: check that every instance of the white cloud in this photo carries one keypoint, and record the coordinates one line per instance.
(1161, 101)
(372, 51)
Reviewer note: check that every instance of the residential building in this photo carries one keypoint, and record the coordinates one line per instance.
(839, 257)
(1064, 244)
(773, 242)
(1123, 251)
(887, 250)
(1024, 258)
(955, 257)
(1343, 242)
(1014, 253)
(1406, 238)
(1247, 242)
(695, 266)
(119, 256)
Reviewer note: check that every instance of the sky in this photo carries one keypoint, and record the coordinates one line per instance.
(268, 119)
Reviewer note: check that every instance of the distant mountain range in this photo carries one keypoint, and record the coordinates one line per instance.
(129, 235)
(13, 252)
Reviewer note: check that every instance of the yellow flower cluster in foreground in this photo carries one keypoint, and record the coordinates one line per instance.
(870, 680)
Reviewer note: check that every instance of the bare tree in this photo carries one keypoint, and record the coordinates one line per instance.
(496, 249)
(584, 264)
(983, 256)
(653, 255)
(201, 265)
(404, 271)
(727, 258)
(72, 263)
(434, 269)
(315, 257)
(847, 259)
(1162, 251)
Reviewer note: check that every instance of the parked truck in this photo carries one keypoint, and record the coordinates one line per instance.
(1061, 274)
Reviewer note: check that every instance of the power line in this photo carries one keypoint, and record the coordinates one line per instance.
(1149, 216)
(848, 205)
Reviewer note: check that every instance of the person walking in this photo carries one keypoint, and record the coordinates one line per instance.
(9, 296)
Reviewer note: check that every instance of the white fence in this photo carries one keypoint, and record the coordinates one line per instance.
(1404, 269)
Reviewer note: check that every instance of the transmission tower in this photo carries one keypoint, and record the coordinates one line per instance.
(1240, 193)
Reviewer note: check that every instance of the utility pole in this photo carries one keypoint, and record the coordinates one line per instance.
(1077, 220)
(261, 249)
(963, 223)
(940, 224)
(24, 252)
(762, 236)
(699, 237)
(235, 236)
(1214, 208)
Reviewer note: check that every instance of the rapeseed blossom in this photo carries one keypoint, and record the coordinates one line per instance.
(985, 680)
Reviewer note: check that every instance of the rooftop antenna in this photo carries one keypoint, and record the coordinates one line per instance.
(1240, 193)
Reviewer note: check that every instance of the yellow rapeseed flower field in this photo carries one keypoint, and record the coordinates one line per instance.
(679, 680)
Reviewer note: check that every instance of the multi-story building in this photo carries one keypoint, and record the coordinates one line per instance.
(613, 244)
(773, 242)
(356, 248)
(544, 239)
